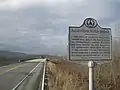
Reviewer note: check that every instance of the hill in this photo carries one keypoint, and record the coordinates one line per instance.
(7, 57)
(9, 54)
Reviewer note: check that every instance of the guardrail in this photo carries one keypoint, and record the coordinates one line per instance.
(43, 80)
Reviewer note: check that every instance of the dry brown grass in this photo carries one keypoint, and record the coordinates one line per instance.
(69, 76)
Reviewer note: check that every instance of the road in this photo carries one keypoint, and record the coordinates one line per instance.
(21, 76)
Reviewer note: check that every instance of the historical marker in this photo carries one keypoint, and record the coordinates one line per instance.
(90, 42)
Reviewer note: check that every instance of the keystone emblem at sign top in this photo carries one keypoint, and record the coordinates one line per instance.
(90, 23)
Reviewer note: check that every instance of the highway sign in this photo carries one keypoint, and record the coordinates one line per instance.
(90, 42)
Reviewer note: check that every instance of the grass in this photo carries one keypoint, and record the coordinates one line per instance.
(64, 75)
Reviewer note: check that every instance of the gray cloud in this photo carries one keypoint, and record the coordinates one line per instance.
(44, 28)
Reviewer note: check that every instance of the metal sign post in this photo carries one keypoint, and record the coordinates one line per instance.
(90, 42)
(91, 75)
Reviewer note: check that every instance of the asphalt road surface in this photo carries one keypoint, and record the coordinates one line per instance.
(21, 76)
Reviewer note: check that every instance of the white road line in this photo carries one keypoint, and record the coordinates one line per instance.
(26, 76)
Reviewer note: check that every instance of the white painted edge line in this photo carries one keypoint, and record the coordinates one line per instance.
(43, 77)
(26, 76)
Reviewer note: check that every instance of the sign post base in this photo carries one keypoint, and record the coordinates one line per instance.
(91, 65)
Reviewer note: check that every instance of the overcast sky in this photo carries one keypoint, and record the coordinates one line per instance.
(41, 26)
